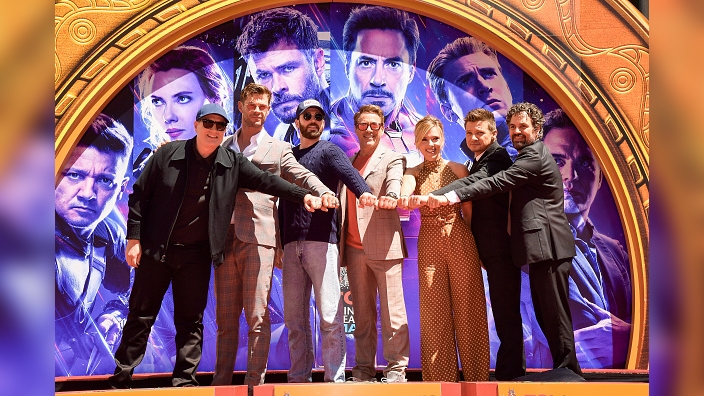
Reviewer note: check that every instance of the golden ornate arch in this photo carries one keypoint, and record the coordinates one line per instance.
(591, 56)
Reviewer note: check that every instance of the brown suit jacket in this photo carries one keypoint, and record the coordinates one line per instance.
(380, 230)
(256, 214)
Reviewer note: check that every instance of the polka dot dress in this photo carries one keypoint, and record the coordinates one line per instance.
(452, 304)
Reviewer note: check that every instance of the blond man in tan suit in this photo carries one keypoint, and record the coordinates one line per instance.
(373, 248)
(244, 278)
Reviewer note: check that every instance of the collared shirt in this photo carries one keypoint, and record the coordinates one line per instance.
(254, 142)
(353, 238)
(476, 159)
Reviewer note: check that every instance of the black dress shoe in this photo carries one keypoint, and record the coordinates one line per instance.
(117, 385)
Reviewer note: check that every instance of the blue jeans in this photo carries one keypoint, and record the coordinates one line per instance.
(306, 264)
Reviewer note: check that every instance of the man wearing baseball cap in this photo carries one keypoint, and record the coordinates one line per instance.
(179, 213)
(311, 254)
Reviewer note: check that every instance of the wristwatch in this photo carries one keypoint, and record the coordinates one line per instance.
(392, 195)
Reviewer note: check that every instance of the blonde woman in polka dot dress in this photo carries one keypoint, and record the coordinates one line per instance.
(452, 304)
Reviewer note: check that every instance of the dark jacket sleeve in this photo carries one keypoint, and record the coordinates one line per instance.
(138, 201)
(253, 178)
(494, 163)
(523, 171)
(347, 173)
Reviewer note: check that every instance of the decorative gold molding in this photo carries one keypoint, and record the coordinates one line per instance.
(591, 56)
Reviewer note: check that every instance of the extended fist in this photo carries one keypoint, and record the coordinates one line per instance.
(367, 199)
(312, 203)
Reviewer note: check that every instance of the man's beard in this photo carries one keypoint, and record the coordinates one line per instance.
(312, 91)
(310, 134)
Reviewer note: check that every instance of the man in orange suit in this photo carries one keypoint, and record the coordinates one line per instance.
(373, 248)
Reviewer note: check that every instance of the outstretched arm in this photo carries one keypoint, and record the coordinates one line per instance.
(350, 176)
(408, 187)
(256, 179)
(527, 167)
(392, 183)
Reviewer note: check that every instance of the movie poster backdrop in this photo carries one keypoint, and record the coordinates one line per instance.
(93, 281)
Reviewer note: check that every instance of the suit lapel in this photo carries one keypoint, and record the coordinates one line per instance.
(474, 167)
(374, 161)
(489, 150)
(263, 148)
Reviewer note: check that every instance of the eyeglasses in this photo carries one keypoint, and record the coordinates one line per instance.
(208, 124)
(308, 116)
(362, 126)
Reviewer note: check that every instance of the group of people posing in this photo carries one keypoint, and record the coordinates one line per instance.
(204, 200)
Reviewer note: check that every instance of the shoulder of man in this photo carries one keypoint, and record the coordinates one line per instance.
(228, 140)
(276, 143)
(170, 148)
(534, 151)
(391, 154)
(497, 152)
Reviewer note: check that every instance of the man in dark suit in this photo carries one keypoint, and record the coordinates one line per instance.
(489, 226)
(540, 233)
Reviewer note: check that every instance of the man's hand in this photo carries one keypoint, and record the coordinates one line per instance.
(329, 201)
(312, 203)
(386, 202)
(133, 253)
(436, 201)
(403, 202)
(367, 199)
(416, 201)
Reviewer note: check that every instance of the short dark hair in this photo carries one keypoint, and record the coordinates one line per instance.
(535, 114)
(254, 89)
(460, 47)
(481, 115)
(383, 18)
(267, 28)
(556, 119)
(107, 136)
(369, 108)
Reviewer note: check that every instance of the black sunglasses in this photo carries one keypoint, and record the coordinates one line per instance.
(308, 116)
(208, 124)
(362, 126)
